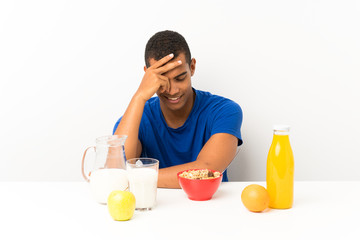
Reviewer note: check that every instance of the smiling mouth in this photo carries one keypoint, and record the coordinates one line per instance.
(173, 99)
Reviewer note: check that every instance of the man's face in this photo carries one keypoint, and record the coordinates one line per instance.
(180, 95)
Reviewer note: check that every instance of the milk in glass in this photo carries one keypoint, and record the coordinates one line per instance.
(104, 181)
(143, 184)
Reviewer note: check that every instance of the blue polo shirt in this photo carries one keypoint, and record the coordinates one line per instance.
(210, 114)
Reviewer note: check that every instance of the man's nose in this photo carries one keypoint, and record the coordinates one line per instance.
(173, 89)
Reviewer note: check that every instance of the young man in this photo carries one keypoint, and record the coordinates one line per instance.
(182, 127)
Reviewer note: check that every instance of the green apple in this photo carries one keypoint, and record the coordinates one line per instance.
(121, 205)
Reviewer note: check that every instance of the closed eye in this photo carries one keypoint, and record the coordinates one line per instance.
(181, 76)
(181, 79)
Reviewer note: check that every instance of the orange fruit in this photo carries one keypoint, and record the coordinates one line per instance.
(255, 198)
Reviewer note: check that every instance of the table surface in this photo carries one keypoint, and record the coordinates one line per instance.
(59, 210)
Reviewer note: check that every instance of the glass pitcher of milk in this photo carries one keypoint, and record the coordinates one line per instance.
(108, 172)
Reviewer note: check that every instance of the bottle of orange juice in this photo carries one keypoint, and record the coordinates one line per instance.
(280, 169)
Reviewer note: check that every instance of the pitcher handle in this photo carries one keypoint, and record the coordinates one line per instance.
(83, 163)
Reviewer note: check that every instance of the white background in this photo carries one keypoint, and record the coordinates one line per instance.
(69, 68)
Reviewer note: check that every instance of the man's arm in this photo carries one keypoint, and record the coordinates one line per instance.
(129, 126)
(217, 154)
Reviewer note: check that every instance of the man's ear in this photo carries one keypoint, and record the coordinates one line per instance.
(192, 66)
(145, 68)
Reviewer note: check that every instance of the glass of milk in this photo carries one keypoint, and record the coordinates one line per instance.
(143, 177)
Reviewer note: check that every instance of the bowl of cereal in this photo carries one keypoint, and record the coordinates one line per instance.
(199, 184)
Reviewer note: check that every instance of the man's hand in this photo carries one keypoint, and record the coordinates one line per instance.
(154, 79)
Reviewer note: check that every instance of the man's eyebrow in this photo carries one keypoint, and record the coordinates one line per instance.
(181, 74)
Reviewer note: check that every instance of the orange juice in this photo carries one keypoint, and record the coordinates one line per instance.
(280, 169)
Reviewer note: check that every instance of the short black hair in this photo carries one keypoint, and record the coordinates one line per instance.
(165, 42)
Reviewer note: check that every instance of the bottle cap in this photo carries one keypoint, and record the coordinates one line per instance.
(281, 127)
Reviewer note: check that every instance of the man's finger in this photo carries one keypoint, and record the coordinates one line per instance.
(169, 66)
(164, 84)
(162, 61)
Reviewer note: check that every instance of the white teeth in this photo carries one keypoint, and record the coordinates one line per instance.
(173, 99)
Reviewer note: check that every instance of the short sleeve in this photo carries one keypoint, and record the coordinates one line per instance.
(116, 125)
(141, 132)
(227, 118)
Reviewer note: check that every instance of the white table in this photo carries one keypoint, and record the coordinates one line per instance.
(66, 210)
